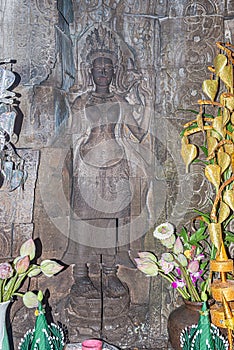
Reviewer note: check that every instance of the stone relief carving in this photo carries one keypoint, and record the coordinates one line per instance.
(33, 38)
(195, 8)
(110, 120)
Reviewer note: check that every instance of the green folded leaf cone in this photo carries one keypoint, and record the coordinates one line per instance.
(204, 335)
(44, 336)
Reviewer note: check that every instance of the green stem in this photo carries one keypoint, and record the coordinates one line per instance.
(18, 294)
(192, 290)
(10, 286)
(1, 290)
(171, 279)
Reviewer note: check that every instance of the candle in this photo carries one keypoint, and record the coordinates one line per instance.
(92, 344)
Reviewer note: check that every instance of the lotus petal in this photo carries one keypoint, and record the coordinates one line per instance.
(28, 248)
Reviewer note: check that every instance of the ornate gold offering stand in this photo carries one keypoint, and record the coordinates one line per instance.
(222, 291)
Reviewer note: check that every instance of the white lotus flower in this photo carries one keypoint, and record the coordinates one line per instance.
(164, 231)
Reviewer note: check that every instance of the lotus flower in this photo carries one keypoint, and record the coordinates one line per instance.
(6, 271)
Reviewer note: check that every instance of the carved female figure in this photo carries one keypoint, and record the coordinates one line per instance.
(102, 171)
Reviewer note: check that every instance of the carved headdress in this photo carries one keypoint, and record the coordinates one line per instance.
(101, 42)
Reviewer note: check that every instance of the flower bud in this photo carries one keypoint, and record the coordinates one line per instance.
(6, 271)
(22, 264)
(148, 267)
(28, 248)
(50, 267)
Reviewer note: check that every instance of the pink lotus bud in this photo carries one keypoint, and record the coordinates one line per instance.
(148, 267)
(182, 259)
(178, 246)
(22, 264)
(50, 268)
(28, 248)
(193, 266)
(148, 256)
(6, 271)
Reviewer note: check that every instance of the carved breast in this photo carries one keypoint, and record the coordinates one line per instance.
(101, 149)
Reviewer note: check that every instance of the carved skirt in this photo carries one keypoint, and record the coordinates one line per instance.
(101, 192)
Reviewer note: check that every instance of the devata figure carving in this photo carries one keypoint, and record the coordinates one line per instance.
(106, 172)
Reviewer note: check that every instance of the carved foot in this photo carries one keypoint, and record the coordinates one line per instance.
(84, 287)
(113, 287)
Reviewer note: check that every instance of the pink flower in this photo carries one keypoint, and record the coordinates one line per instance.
(6, 271)
(22, 264)
(166, 266)
(193, 266)
(148, 267)
(28, 248)
(178, 283)
(178, 246)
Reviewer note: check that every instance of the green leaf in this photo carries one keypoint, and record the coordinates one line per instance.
(184, 234)
(205, 150)
(193, 126)
(229, 237)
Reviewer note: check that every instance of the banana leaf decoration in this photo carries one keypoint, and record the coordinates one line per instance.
(43, 336)
(204, 335)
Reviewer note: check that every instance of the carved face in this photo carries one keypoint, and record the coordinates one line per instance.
(102, 71)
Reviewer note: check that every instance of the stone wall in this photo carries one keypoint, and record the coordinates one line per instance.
(167, 46)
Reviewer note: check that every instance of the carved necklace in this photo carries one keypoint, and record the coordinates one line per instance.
(96, 97)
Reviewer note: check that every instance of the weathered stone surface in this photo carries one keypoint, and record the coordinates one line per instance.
(30, 39)
(201, 7)
(13, 210)
(166, 47)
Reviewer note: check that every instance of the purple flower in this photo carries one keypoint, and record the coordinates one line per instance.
(6, 271)
(196, 276)
(199, 257)
(178, 283)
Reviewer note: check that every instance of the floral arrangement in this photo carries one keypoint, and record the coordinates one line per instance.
(12, 275)
(184, 264)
